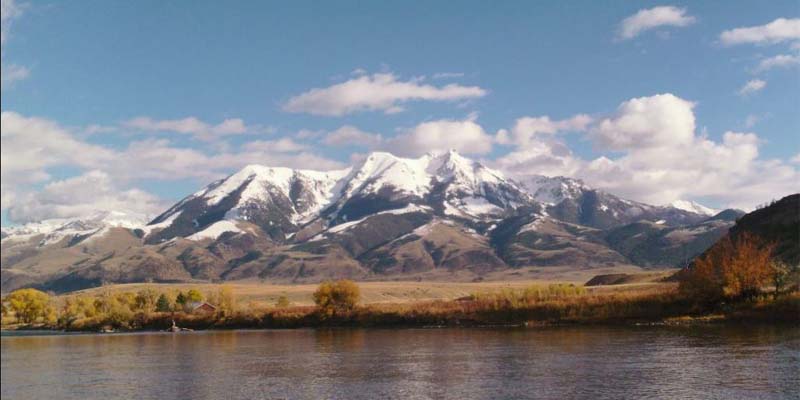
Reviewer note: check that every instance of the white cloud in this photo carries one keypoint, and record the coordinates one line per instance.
(32, 146)
(349, 135)
(377, 92)
(191, 126)
(779, 61)
(9, 10)
(527, 128)
(80, 196)
(10, 73)
(643, 122)
(158, 159)
(752, 86)
(544, 156)
(651, 18)
(779, 30)
(308, 134)
(538, 150)
(465, 136)
(662, 158)
(282, 145)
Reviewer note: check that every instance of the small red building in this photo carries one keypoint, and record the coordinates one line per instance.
(202, 307)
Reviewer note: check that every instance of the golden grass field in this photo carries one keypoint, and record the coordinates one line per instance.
(399, 292)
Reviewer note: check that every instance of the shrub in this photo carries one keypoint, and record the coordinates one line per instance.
(282, 302)
(146, 300)
(337, 297)
(193, 295)
(730, 269)
(226, 300)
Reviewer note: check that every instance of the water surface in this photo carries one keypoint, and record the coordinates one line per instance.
(710, 362)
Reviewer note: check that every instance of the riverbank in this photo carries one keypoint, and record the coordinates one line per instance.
(661, 305)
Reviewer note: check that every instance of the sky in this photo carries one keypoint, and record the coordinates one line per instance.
(134, 105)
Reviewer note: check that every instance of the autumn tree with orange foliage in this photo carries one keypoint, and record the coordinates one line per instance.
(733, 268)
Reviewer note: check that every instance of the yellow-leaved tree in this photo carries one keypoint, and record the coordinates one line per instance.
(732, 268)
(337, 297)
(29, 305)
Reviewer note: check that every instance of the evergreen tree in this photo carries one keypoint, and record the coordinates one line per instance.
(162, 304)
(181, 299)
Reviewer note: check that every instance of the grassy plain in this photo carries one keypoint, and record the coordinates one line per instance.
(396, 292)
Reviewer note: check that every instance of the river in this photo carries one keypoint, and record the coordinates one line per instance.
(710, 362)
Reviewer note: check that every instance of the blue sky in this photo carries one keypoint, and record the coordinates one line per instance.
(118, 81)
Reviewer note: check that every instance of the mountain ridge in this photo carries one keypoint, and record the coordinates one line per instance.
(441, 213)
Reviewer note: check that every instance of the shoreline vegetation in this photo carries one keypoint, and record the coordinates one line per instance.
(337, 306)
(736, 280)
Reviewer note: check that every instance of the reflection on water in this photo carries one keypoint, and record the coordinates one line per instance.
(591, 363)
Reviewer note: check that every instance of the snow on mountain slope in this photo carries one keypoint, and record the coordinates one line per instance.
(214, 230)
(383, 170)
(56, 229)
(452, 167)
(267, 184)
(693, 207)
(553, 190)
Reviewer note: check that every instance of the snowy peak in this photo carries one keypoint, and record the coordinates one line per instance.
(381, 170)
(693, 207)
(302, 193)
(553, 190)
(453, 167)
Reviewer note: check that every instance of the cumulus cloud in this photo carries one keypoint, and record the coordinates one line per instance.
(377, 92)
(779, 30)
(643, 122)
(32, 147)
(662, 158)
(191, 126)
(465, 136)
(752, 86)
(80, 196)
(349, 135)
(652, 18)
(527, 128)
(778, 61)
(538, 150)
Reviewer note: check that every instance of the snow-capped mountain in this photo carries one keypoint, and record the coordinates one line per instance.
(573, 201)
(281, 201)
(692, 206)
(440, 213)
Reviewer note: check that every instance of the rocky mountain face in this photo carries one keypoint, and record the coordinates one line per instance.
(386, 217)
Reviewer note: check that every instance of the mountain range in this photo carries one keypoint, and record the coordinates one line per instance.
(440, 216)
